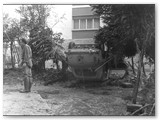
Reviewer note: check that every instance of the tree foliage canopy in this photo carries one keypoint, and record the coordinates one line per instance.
(11, 29)
(33, 15)
(123, 24)
(42, 39)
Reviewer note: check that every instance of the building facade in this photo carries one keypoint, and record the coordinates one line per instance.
(85, 22)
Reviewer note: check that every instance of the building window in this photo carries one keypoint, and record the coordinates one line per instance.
(96, 23)
(90, 23)
(76, 24)
(83, 24)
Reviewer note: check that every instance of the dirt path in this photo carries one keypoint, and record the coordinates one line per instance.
(57, 99)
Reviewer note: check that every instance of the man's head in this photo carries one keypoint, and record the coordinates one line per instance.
(23, 42)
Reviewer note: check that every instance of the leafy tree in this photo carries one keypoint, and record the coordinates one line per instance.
(45, 46)
(128, 29)
(116, 32)
(33, 15)
(42, 39)
(11, 33)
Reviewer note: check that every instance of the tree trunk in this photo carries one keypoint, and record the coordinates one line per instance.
(18, 55)
(4, 61)
(4, 55)
(57, 65)
(133, 66)
(11, 47)
(135, 91)
(143, 67)
(64, 66)
(43, 65)
(64, 70)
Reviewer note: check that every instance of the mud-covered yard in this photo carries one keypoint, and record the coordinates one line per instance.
(89, 98)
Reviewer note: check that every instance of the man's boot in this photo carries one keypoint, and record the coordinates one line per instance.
(26, 86)
(30, 84)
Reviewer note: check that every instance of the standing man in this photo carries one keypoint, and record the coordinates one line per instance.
(26, 63)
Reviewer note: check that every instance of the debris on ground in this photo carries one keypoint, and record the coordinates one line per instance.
(69, 97)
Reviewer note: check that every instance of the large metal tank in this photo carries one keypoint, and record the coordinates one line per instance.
(83, 60)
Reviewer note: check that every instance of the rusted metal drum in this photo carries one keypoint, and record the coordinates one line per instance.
(83, 63)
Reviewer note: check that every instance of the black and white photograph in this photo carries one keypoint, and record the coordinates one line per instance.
(79, 59)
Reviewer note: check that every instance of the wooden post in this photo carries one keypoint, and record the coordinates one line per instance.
(11, 47)
(143, 67)
(133, 66)
(135, 90)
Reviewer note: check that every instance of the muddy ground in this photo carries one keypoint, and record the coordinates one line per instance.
(89, 98)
